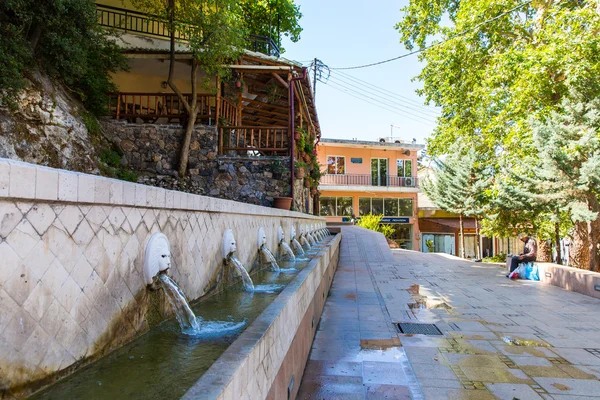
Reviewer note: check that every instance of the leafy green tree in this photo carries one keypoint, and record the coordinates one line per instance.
(496, 63)
(215, 36)
(568, 171)
(458, 185)
(273, 18)
(62, 38)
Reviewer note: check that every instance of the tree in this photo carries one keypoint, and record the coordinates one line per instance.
(568, 171)
(496, 63)
(216, 33)
(273, 18)
(61, 38)
(458, 185)
(215, 36)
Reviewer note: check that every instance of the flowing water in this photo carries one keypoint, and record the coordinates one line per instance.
(305, 244)
(163, 364)
(311, 240)
(297, 247)
(286, 253)
(270, 258)
(248, 284)
(185, 316)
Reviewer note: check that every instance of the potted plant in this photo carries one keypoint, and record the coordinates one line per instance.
(307, 182)
(300, 169)
(277, 169)
(283, 203)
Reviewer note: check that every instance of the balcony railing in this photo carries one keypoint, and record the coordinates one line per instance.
(368, 180)
(152, 25)
(254, 140)
(151, 106)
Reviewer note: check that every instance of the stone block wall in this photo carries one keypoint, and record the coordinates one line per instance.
(71, 256)
(153, 152)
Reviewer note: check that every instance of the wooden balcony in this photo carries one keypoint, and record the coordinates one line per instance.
(152, 107)
(368, 180)
(254, 140)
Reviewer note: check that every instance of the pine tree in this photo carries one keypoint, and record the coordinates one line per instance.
(567, 173)
(458, 186)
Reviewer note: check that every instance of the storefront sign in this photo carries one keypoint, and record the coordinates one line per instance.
(394, 220)
(356, 160)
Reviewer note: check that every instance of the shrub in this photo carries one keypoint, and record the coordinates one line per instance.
(373, 222)
(498, 258)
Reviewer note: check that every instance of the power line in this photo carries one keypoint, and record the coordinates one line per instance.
(437, 43)
(404, 98)
(377, 103)
(371, 89)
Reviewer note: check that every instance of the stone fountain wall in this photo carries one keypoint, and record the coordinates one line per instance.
(71, 256)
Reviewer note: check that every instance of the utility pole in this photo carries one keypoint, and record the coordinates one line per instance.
(315, 79)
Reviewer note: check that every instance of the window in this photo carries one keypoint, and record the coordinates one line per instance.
(364, 205)
(405, 207)
(404, 168)
(336, 165)
(335, 206)
(388, 207)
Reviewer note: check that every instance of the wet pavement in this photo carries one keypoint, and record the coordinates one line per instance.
(498, 338)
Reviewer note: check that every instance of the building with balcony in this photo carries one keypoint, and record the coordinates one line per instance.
(249, 117)
(366, 177)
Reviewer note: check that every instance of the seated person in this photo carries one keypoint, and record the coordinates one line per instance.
(529, 253)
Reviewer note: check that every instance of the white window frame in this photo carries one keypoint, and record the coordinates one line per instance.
(404, 160)
(327, 166)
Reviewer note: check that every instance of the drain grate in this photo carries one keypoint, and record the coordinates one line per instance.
(419, 329)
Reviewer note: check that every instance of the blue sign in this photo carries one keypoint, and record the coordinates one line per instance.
(356, 160)
(394, 220)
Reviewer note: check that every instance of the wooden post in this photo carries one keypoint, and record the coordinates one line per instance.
(238, 121)
(218, 101)
(118, 105)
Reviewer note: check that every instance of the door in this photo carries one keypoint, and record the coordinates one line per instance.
(379, 168)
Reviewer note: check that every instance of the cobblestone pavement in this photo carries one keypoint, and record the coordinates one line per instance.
(499, 338)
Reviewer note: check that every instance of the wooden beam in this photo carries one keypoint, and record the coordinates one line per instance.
(267, 104)
(280, 80)
(263, 111)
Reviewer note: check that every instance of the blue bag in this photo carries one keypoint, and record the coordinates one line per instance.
(531, 272)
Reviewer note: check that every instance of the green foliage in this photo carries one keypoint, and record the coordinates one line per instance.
(277, 167)
(64, 40)
(273, 18)
(489, 79)
(497, 258)
(216, 30)
(91, 123)
(372, 222)
(111, 166)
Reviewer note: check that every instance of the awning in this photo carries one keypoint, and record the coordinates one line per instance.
(454, 223)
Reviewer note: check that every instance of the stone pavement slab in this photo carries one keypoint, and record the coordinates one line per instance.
(499, 338)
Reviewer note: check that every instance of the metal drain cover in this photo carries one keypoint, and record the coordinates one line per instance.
(419, 329)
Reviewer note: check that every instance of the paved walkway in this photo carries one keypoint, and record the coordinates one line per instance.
(501, 339)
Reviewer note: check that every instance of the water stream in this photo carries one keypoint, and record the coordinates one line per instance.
(270, 258)
(185, 316)
(286, 253)
(305, 244)
(311, 240)
(297, 247)
(241, 270)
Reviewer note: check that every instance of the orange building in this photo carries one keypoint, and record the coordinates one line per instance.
(364, 177)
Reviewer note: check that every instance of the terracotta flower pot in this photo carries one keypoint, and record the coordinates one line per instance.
(306, 158)
(283, 203)
(306, 183)
(297, 135)
(300, 173)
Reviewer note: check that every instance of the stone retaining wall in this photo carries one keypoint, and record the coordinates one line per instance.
(71, 256)
(153, 152)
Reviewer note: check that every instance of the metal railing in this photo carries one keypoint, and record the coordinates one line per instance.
(254, 140)
(263, 44)
(152, 25)
(151, 106)
(368, 180)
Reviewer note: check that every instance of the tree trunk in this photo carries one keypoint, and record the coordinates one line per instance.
(191, 121)
(557, 240)
(462, 237)
(477, 240)
(34, 36)
(580, 246)
(544, 251)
